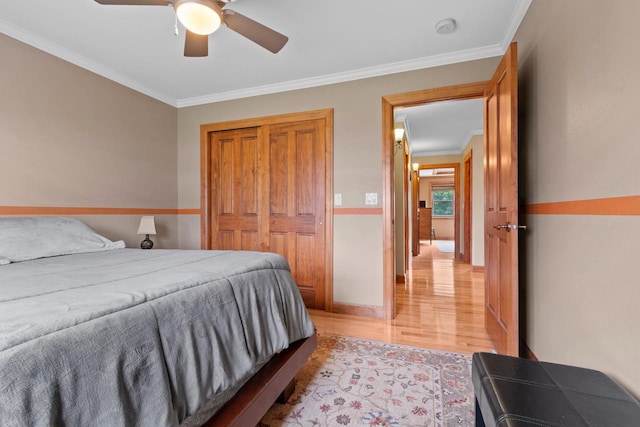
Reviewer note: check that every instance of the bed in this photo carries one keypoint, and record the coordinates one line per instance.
(93, 333)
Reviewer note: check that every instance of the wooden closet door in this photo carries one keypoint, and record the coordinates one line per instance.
(294, 202)
(265, 190)
(234, 167)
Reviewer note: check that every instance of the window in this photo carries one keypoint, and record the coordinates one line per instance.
(442, 200)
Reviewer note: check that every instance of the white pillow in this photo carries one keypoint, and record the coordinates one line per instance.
(22, 239)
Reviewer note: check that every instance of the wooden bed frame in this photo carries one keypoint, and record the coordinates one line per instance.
(275, 381)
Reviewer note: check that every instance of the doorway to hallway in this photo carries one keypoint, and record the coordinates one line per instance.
(446, 298)
(439, 307)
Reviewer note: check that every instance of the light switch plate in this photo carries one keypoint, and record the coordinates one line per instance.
(371, 198)
(337, 199)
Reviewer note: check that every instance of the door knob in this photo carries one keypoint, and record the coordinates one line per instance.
(510, 227)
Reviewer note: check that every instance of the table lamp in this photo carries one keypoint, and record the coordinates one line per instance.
(147, 227)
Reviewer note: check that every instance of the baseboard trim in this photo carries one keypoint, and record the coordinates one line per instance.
(477, 268)
(526, 352)
(400, 278)
(359, 310)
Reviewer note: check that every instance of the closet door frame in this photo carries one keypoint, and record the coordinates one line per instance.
(206, 133)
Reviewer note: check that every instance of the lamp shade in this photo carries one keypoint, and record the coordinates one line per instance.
(147, 225)
(198, 16)
(399, 133)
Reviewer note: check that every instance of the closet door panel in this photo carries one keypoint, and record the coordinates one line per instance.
(235, 190)
(296, 194)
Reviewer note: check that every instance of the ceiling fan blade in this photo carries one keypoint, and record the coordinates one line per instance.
(135, 2)
(269, 39)
(196, 45)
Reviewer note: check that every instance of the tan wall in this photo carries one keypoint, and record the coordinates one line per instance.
(357, 159)
(70, 138)
(443, 228)
(579, 132)
(476, 145)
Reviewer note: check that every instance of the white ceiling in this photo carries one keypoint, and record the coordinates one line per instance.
(442, 127)
(329, 41)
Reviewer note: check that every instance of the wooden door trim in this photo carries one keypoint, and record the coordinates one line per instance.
(415, 213)
(456, 198)
(205, 178)
(389, 102)
(267, 120)
(468, 205)
(405, 204)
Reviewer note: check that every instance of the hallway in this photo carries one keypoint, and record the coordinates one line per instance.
(441, 307)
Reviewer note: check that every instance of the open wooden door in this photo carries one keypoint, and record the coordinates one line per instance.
(466, 215)
(501, 205)
(415, 214)
(407, 213)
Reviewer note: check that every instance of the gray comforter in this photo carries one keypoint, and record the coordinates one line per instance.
(132, 337)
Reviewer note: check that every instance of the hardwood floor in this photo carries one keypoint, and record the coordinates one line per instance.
(441, 307)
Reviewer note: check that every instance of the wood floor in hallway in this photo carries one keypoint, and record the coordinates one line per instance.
(441, 307)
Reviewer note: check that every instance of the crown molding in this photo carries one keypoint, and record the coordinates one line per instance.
(363, 73)
(467, 140)
(514, 23)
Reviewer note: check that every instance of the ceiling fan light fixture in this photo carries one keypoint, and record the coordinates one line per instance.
(200, 17)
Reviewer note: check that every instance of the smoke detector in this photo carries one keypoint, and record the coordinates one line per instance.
(446, 26)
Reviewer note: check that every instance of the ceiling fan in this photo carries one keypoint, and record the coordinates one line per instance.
(203, 17)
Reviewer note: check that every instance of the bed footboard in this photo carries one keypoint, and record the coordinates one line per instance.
(275, 378)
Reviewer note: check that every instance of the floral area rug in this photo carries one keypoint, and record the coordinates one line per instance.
(357, 382)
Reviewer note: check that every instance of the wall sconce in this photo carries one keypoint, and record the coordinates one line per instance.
(414, 170)
(399, 134)
(147, 227)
